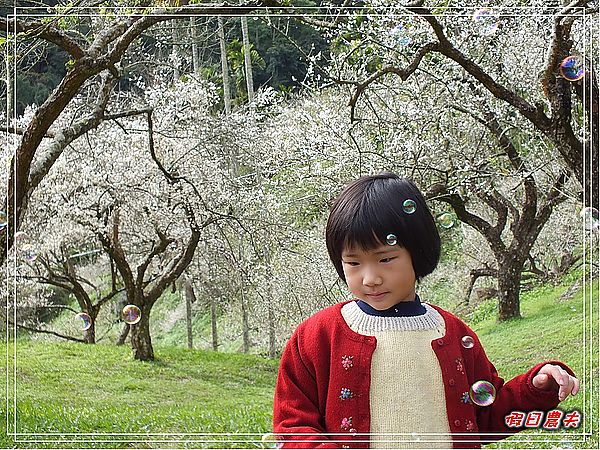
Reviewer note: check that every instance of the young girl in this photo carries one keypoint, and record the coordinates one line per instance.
(385, 370)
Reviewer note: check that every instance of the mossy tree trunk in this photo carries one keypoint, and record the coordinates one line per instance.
(509, 286)
(141, 341)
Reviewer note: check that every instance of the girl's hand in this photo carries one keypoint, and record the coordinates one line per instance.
(552, 377)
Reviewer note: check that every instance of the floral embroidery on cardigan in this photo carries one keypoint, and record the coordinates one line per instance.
(347, 362)
(345, 394)
(459, 365)
(346, 423)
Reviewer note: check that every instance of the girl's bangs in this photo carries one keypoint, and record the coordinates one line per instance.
(370, 227)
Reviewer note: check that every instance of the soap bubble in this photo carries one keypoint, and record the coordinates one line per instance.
(482, 393)
(409, 206)
(131, 314)
(29, 252)
(270, 440)
(591, 218)
(3, 219)
(467, 341)
(391, 239)
(446, 220)
(400, 35)
(571, 68)
(84, 320)
(486, 20)
(21, 237)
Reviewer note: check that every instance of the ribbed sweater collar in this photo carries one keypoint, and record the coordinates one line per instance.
(360, 321)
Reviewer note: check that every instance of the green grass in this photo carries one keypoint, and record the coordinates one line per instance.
(82, 389)
(550, 328)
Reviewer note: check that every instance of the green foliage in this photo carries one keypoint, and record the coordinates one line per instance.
(277, 61)
(37, 79)
(236, 58)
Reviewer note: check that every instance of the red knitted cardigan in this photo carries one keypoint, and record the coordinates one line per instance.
(324, 355)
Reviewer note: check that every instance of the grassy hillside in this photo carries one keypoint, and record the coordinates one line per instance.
(167, 325)
(74, 388)
(551, 328)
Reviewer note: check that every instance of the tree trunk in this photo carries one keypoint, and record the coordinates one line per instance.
(271, 319)
(224, 68)
(176, 73)
(247, 60)
(190, 298)
(140, 338)
(509, 285)
(475, 275)
(213, 322)
(90, 333)
(10, 98)
(245, 325)
(193, 35)
(591, 187)
(123, 335)
(188, 321)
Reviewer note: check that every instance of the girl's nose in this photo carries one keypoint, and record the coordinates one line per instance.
(371, 278)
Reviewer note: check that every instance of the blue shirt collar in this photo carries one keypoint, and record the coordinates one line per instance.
(401, 309)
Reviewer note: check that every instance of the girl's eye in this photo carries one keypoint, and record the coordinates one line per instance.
(351, 263)
(385, 260)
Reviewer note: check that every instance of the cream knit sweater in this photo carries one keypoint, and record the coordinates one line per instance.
(408, 406)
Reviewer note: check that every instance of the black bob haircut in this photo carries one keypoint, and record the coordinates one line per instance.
(370, 208)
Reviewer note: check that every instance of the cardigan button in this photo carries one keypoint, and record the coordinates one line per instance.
(451, 382)
(440, 342)
(457, 423)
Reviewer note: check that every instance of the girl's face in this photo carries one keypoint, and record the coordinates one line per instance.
(382, 277)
